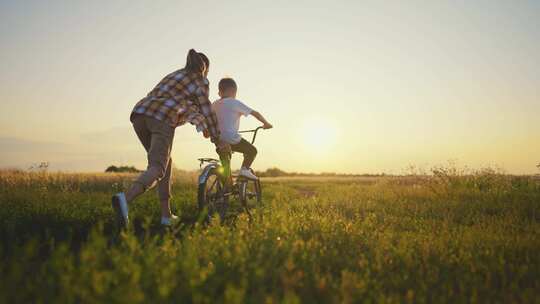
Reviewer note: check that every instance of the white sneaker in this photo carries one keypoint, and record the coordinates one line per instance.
(120, 206)
(169, 221)
(245, 172)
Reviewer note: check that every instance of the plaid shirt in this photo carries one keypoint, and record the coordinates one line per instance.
(179, 98)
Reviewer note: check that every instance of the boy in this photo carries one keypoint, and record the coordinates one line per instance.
(228, 110)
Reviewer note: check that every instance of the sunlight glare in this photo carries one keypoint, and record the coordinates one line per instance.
(320, 135)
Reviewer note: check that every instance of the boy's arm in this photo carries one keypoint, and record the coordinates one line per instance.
(205, 107)
(266, 124)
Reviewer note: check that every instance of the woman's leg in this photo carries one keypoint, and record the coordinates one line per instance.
(156, 136)
(145, 136)
(164, 191)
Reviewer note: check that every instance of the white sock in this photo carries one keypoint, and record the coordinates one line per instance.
(168, 220)
(123, 204)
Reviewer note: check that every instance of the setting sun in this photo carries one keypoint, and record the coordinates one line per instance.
(320, 135)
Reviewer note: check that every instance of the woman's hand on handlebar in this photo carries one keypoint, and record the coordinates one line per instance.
(267, 126)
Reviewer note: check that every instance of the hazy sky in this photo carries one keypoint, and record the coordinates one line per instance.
(350, 86)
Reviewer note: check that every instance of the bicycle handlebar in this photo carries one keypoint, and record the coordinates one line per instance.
(254, 131)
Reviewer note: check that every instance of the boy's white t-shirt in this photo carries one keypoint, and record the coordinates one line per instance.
(228, 112)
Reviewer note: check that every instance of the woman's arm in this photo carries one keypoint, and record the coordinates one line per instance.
(206, 110)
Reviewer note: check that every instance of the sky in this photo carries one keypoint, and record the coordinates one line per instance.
(350, 86)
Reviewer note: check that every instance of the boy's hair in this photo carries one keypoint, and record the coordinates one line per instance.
(227, 83)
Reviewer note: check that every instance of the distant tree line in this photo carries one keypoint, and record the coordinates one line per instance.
(270, 172)
(276, 172)
(122, 169)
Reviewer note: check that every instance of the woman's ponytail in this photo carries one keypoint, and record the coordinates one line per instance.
(194, 62)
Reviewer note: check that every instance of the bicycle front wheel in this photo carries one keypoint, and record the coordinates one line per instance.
(250, 192)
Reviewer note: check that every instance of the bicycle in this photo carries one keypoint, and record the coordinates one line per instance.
(216, 186)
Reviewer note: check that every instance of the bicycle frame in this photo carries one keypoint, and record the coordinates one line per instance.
(231, 185)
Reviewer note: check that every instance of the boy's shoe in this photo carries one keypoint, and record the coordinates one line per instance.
(169, 221)
(246, 172)
(120, 206)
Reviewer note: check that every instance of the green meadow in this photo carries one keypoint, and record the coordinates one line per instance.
(446, 237)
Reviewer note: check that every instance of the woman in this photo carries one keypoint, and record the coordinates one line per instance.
(180, 97)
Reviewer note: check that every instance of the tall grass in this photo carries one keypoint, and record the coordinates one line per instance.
(450, 237)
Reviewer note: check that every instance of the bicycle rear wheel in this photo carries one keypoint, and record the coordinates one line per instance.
(211, 195)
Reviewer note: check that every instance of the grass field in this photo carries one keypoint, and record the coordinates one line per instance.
(446, 238)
